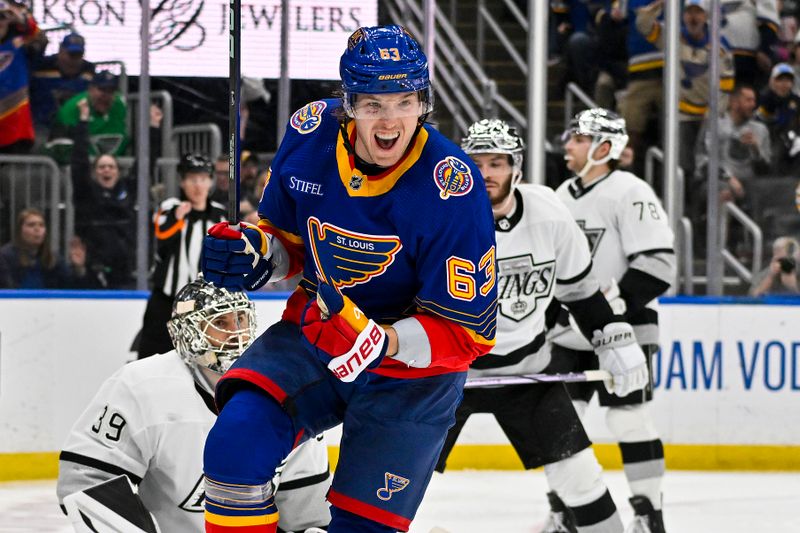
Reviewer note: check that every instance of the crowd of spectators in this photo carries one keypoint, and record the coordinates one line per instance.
(614, 52)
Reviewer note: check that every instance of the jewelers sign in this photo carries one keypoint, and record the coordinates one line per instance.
(190, 37)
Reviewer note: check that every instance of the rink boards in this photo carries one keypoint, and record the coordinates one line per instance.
(727, 380)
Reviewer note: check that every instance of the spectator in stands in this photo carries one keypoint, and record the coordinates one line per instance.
(180, 225)
(28, 262)
(108, 128)
(779, 109)
(220, 192)
(17, 27)
(249, 171)
(745, 149)
(104, 209)
(694, 55)
(751, 30)
(576, 39)
(612, 64)
(780, 277)
(55, 79)
(642, 105)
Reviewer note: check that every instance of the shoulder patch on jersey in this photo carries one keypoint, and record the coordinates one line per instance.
(453, 177)
(308, 118)
(521, 283)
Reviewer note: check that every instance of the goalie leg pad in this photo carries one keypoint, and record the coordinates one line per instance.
(250, 438)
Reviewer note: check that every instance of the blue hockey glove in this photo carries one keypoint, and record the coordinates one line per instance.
(344, 339)
(236, 259)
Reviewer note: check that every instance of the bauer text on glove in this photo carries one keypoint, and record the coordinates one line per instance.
(621, 356)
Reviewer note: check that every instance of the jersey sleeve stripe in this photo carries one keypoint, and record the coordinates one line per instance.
(653, 251)
(269, 227)
(84, 460)
(482, 325)
(577, 278)
(165, 234)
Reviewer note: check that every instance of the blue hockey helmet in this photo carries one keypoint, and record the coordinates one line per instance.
(384, 59)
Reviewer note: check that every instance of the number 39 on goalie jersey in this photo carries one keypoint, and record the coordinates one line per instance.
(149, 422)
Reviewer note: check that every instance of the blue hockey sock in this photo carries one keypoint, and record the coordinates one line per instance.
(252, 435)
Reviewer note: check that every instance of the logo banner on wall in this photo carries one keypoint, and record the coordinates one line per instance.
(190, 37)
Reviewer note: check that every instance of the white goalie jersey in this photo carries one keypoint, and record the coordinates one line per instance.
(541, 254)
(626, 227)
(150, 422)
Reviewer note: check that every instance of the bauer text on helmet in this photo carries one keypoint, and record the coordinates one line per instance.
(384, 60)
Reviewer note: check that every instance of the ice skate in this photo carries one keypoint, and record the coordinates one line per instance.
(646, 519)
(560, 519)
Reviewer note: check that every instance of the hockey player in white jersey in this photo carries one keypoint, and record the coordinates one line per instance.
(150, 419)
(634, 261)
(542, 254)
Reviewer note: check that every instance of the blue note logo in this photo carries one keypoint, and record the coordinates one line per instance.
(453, 177)
(391, 483)
(345, 258)
(308, 118)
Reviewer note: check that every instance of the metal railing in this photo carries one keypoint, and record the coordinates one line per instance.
(469, 94)
(203, 138)
(163, 100)
(732, 211)
(574, 91)
(681, 226)
(33, 181)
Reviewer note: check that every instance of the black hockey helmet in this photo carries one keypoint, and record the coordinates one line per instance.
(194, 162)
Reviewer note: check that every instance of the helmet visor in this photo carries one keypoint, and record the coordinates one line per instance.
(385, 106)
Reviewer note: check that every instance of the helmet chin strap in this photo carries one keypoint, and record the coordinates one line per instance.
(590, 161)
(508, 204)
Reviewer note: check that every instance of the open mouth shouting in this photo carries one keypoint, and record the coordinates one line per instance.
(386, 141)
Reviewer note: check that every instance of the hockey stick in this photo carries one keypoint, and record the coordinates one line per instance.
(526, 379)
(234, 118)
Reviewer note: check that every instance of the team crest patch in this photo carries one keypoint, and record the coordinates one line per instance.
(355, 38)
(309, 117)
(345, 258)
(453, 177)
(521, 283)
(391, 483)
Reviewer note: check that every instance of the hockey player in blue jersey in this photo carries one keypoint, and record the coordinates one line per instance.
(392, 228)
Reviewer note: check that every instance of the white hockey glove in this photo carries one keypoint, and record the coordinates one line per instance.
(614, 297)
(621, 356)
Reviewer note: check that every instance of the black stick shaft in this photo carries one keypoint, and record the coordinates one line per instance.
(234, 118)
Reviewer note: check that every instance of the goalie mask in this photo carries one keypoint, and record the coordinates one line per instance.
(602, 126)
(495, 136)
(381, 60)
(210, 328)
